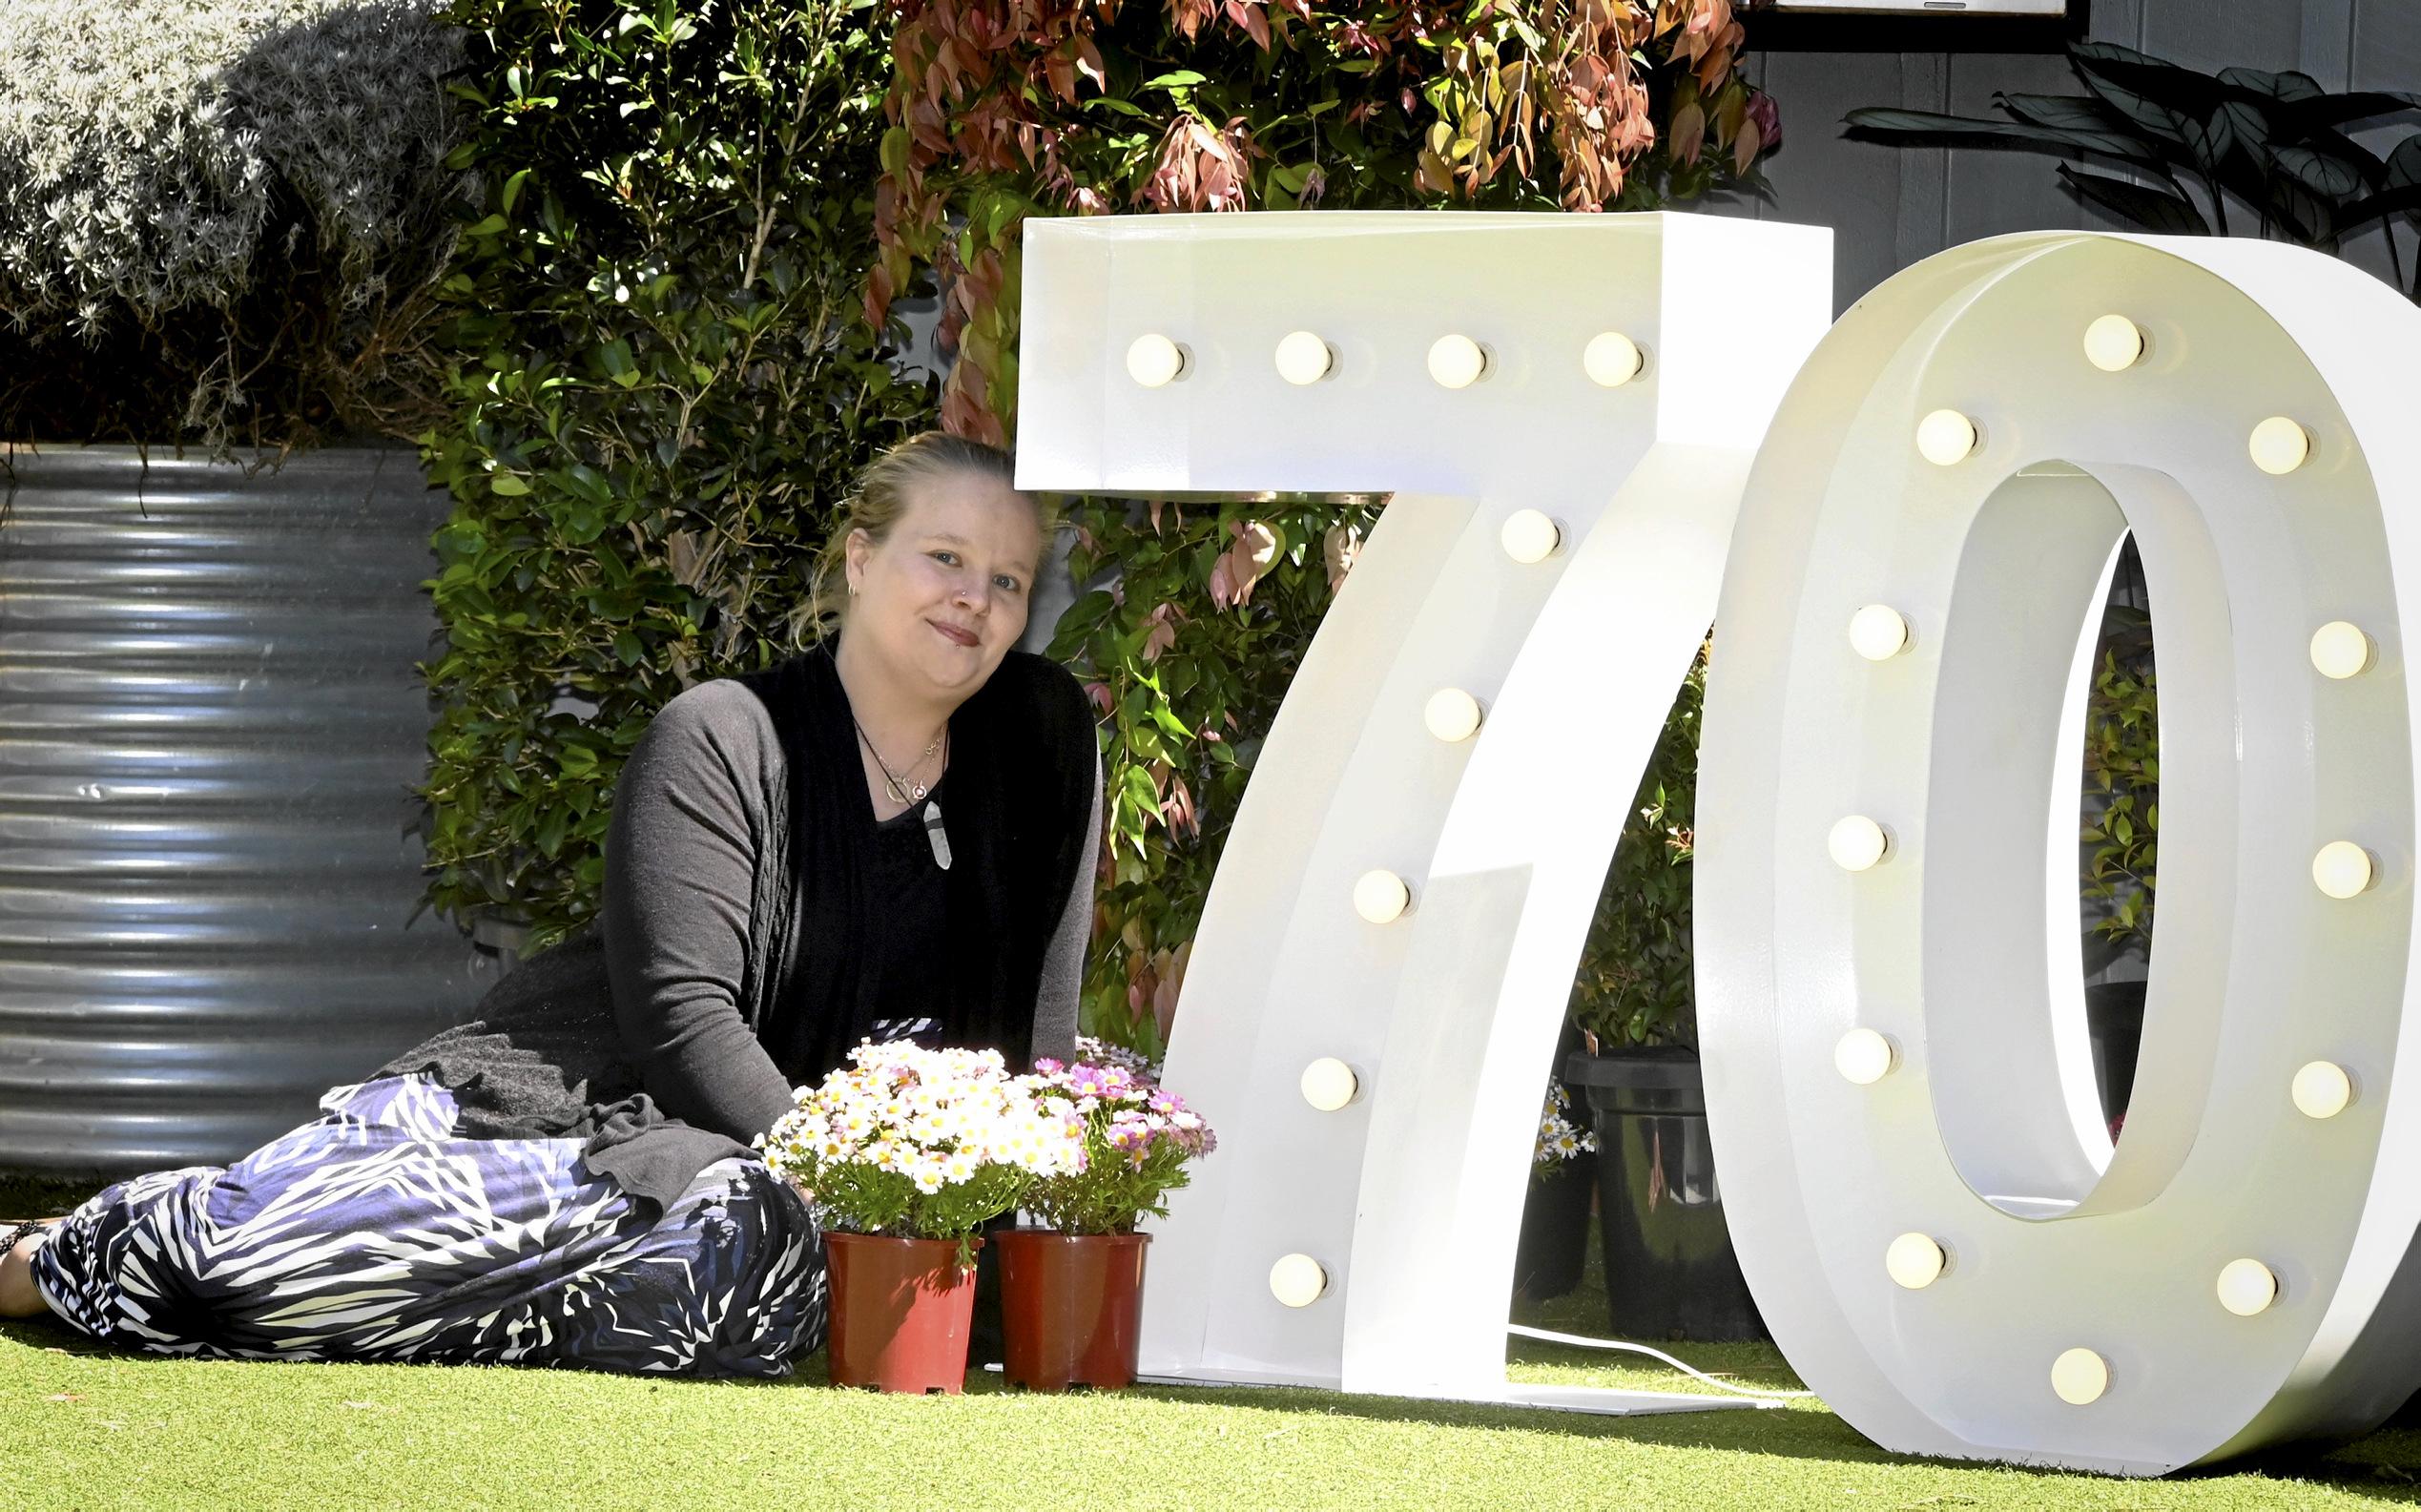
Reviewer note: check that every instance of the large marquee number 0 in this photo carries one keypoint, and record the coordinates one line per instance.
(1934, 1221)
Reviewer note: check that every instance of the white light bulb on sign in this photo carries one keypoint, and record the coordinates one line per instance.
(1879, 633)
(2321, 1089)
(1297, 1280)
(1329, 1084)
(2114, 344)
(2340, 650)
(1457, 361)
(1915, 1261)
(1303, 358)
(2246, 1287)
(1863, 1056)
(1857, 844)
(1945, 437)
(1381, 897)
(1529, 535)
(2278, 445)
(1155, 362)
(1451, 715)
(2079, 1377)
(2342, 869)
(1612, 359)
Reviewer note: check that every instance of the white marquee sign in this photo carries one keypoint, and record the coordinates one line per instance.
(1930, 1216)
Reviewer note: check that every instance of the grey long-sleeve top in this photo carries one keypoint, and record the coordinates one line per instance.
(690, 813)
(650, 1002)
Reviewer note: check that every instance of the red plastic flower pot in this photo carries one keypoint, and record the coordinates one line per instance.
(900, 1310)
(1071, 1308)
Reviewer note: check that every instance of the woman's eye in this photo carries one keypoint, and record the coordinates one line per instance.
(945, 558)
(1008, 585)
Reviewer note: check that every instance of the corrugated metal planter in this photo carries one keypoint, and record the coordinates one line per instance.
(210, 718)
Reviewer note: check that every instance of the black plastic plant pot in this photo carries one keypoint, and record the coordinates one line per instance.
(1671, 1273)
(1553, 1249)
(2114, 1019)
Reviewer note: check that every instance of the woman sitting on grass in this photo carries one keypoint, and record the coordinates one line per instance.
(890, 836)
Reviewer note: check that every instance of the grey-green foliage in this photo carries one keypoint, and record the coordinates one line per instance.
(250, 192)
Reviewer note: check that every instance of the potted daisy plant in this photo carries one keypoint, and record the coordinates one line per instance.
(1071, 1287)
(905, 1154)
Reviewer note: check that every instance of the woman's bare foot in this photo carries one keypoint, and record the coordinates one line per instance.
(18, 1297)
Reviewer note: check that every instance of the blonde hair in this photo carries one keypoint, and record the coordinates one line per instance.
(881, 497)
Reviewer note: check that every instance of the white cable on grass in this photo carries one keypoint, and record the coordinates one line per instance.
(1554, 1337)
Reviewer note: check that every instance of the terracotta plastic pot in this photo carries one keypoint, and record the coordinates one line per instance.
(901, 1309)
(1071, 1308)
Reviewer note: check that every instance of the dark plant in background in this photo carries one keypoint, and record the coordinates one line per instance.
(1003, 108)
(2121, 788)
(2274, 144)
(664, 388)
(1635, 984)
(223, 221)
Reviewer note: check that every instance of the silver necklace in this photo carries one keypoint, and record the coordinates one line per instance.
(898, 784)
(905, 792)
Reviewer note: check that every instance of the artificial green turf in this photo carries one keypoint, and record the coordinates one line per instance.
(81, 1427)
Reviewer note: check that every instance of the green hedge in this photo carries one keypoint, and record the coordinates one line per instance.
(664, 388)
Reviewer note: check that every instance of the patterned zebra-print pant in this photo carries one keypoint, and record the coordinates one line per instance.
(373, 1234)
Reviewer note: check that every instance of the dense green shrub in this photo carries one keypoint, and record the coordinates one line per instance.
(222, 220)
(1007, 107)
(667, 386)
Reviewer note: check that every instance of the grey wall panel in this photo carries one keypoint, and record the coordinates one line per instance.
(1820, 177)
(2217, 33)
(1991, 194)
(2384, 52)
(1891, 206)
(210, 719)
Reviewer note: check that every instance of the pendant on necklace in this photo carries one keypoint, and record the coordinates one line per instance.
(936, 836)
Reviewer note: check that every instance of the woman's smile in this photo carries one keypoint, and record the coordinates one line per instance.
(955, 635)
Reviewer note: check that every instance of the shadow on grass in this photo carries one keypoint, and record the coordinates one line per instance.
(43, 1196)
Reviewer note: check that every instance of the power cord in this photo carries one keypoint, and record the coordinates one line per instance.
(1553, 1337)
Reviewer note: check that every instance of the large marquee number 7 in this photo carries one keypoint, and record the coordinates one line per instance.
(1933, 1218)
(1564, 410)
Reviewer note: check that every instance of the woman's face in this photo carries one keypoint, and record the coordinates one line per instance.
(944, 596)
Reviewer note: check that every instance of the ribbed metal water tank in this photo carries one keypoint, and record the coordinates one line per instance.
(210, 718)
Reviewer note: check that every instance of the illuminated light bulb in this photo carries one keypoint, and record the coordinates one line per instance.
(1612, 359)
(1857, 842)
(1303, 358)
(1945, 437)
(2322, 1090)
(1915, 1261)
(1879, 633)
(1155, 362)
(2246, 1287)
(2340, 650)
(1381, 897)
(1329, 1084)
(2278, 445)
(2342, 869)
(1865, 1057)
(1529, 536)
(2114, 344)
(1297, 1280)
(1451, 715)
(2079, 1377)
(1457, 362)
